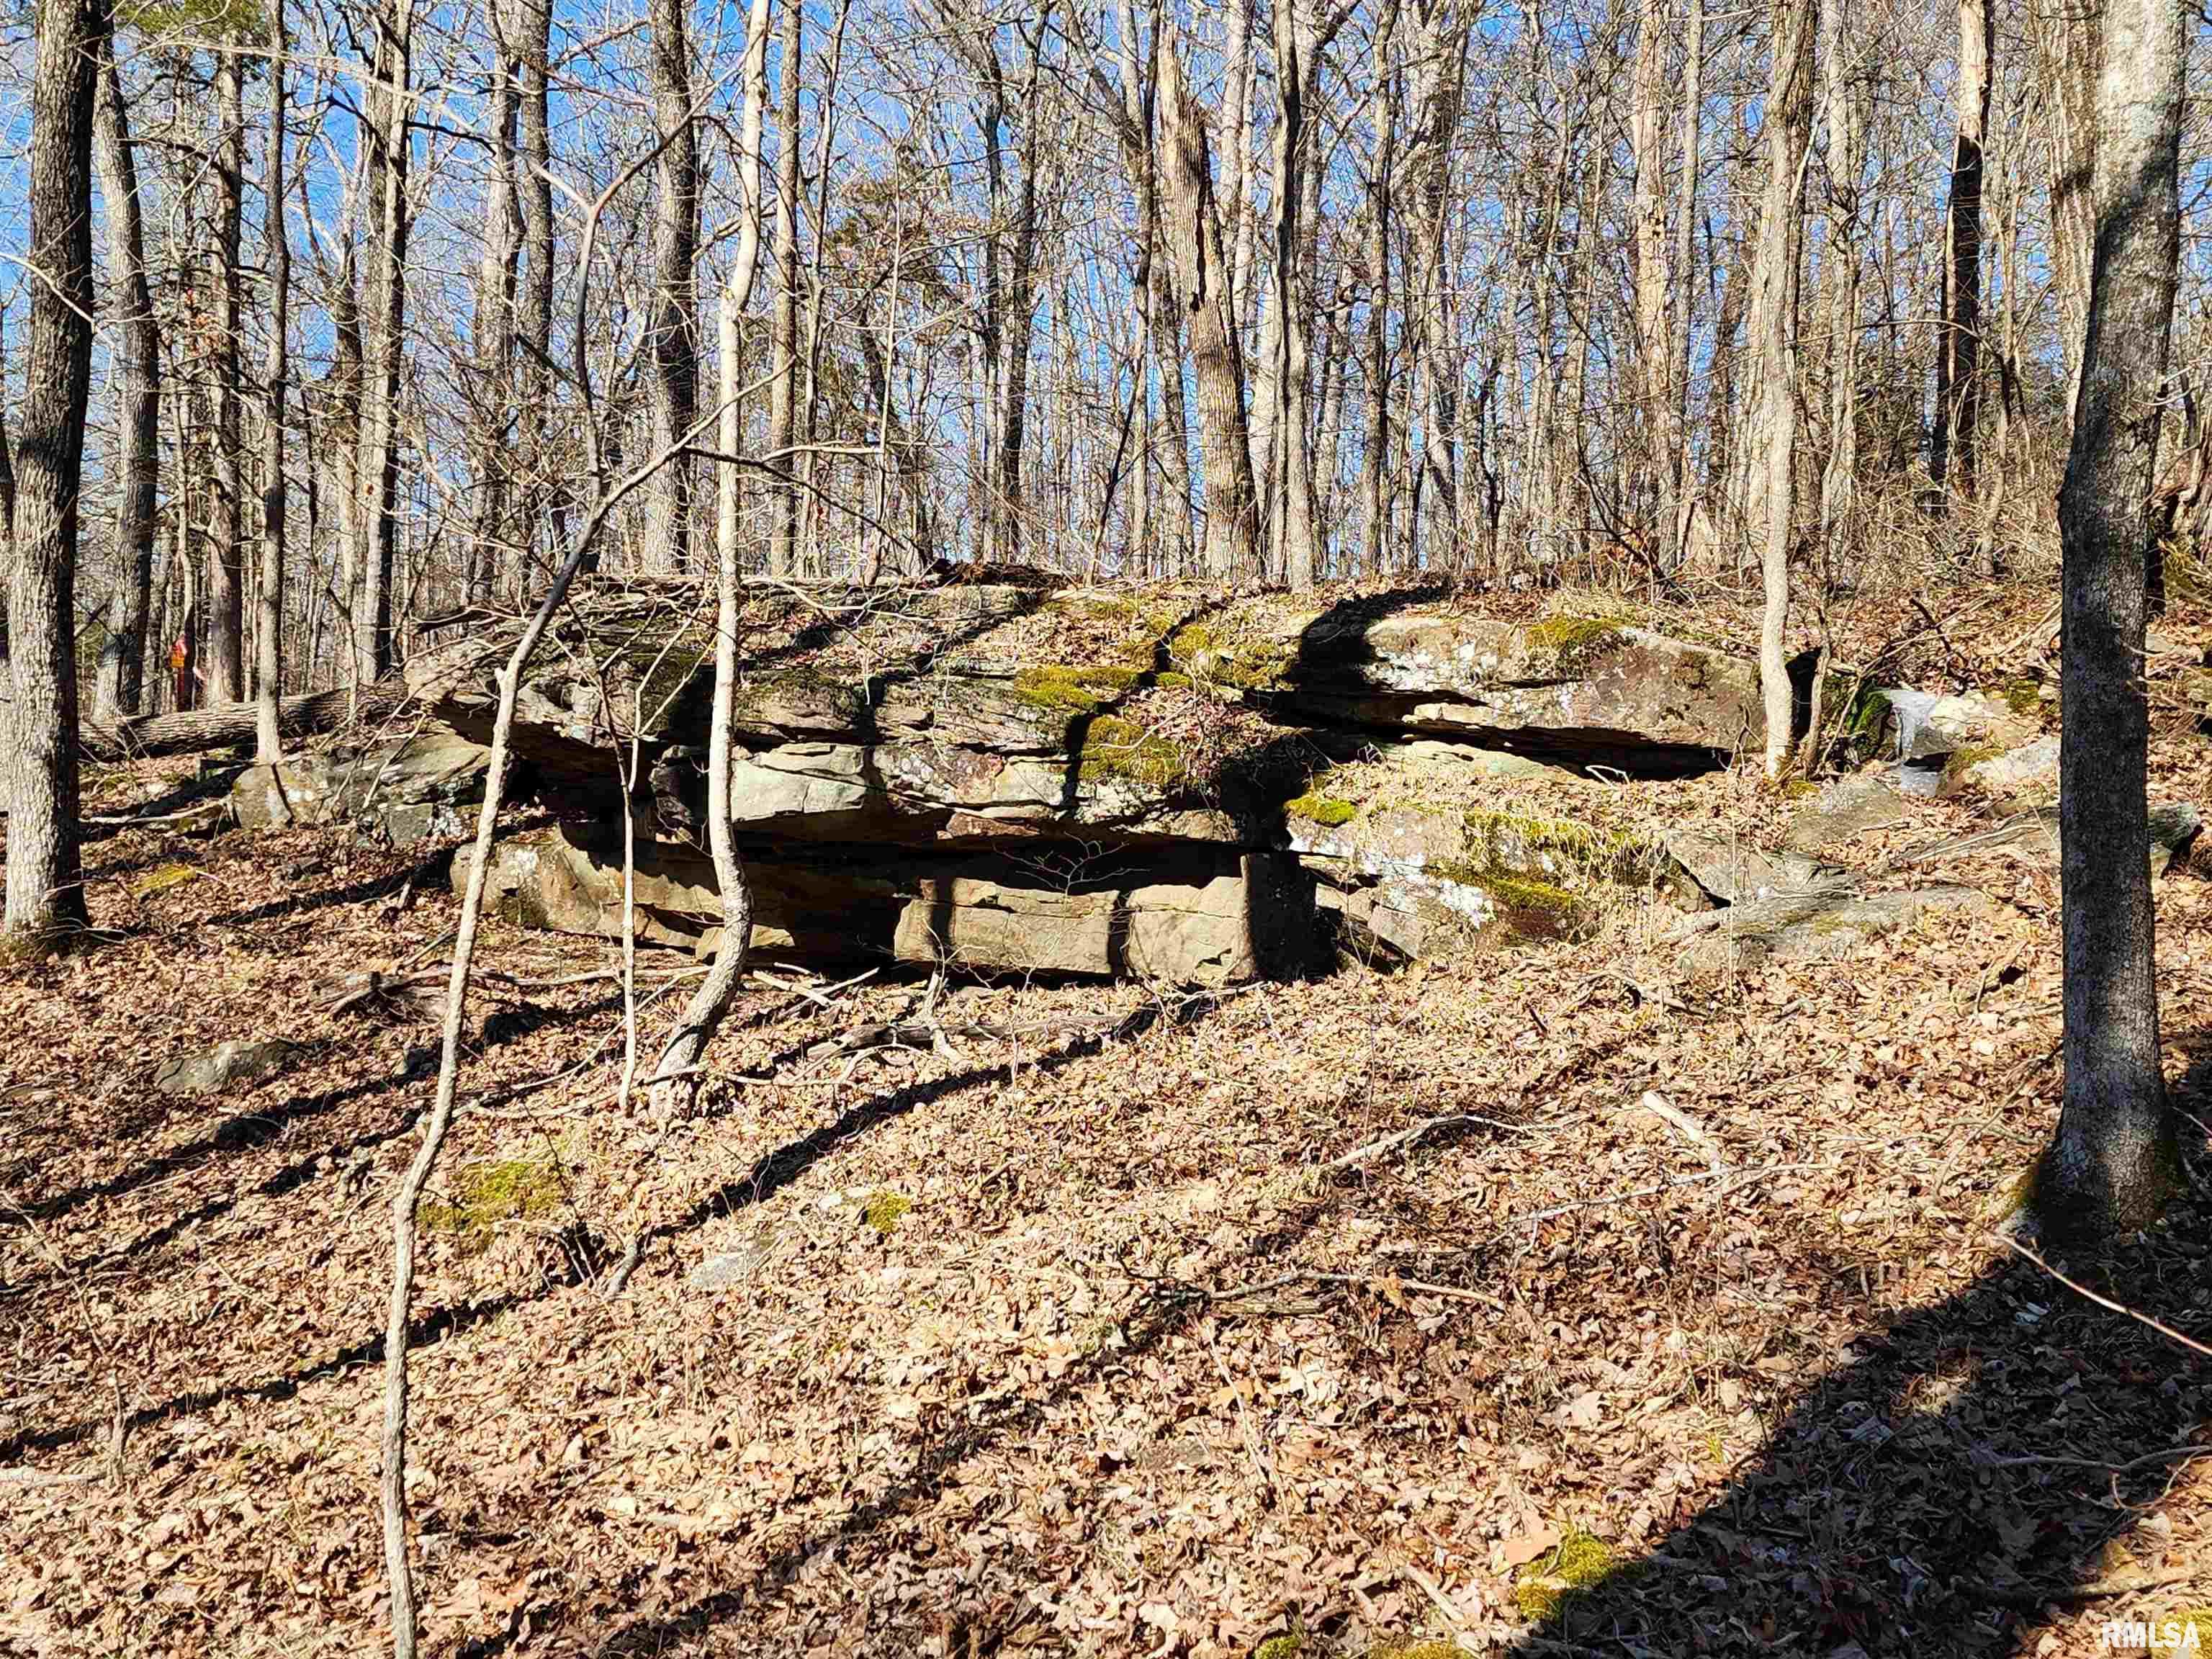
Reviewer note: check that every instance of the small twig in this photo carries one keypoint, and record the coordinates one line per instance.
(628, 1266)
(2164, 1330)
(1391, 1143)
(1690, 1129)
(2168, 1455)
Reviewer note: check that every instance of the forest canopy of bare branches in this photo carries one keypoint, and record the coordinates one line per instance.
(1120, 290)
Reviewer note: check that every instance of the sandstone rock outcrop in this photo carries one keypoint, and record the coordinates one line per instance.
(947, 752)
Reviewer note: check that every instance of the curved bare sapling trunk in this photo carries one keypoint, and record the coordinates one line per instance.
(399, 1572)
(688, 1041)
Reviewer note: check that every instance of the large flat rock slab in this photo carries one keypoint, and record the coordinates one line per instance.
(1189, 919)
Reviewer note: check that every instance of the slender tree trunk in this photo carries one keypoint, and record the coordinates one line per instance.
(1019, 309)
(226, 589)
(675, 335)
(1958, 380)
(137, 372)
(1238, 97)
(688, 1041)
(493, 331)
(1649, 486)
(45, 886)
(1168, 513)
(2114, 1160)
(1375, 462)
(1774, 327)
(1438, 81)
(783, 347)
(341, 419)
(269, 623)
(542, 495)
(7, 488)
(2066, 71)
(1299, 45)
(1194, 227)
(1846, 139)
(1680, 498)
(385, 143)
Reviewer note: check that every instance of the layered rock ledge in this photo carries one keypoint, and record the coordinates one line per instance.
(1167, 782)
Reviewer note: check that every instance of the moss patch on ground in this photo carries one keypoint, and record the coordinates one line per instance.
(487, 1197)
(1579, 1561)
(884, 1210)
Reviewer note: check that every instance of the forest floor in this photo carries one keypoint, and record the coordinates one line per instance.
(1067, 1339)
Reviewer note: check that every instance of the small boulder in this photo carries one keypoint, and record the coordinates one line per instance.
(2025, 776)
(1845, 811)
(1734, 873)
(205, 1072)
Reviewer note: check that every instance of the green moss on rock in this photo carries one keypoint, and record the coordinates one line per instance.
(1321, 809)
(1060, 689)
(1245, 660)
(1575, 642)
(2022, 694)
(1513, 844)
(1114, 748)
(1959, 762)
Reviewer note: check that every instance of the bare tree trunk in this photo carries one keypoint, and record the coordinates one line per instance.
(1017, 313)
(675, 335)
(1194, 228)
(2066, 71)
(1774, 327)
(1239, 92)
(45, 886)
(1846, 139)
(1648, 485)
(121, 681)
(2114, 1160)
(688, 1041)
(1375, 462)
(269, 623)
(783, 336)
(1168, 513)
(341, 419)
(542, 495)
(1680, 497)
(492, 332)
(385, 142)
(1439, 75)
(7, 484)
(1958, 380)
(226, 588)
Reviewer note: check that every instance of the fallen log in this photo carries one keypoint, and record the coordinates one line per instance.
(191, 730)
